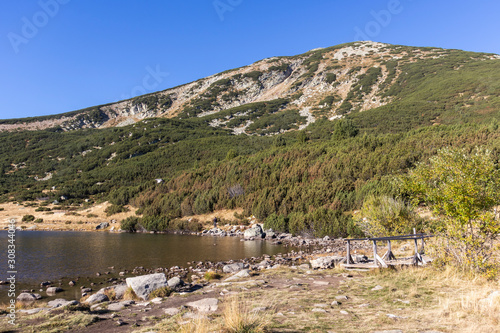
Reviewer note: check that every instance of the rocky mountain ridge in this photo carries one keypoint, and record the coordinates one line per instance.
(292, 91)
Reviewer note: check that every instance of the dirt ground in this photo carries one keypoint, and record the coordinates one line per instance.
(302, 300)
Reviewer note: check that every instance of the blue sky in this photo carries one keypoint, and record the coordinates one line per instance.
(64, 55)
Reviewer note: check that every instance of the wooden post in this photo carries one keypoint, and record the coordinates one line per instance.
(348, 256)
(422, 250)
(375, 252)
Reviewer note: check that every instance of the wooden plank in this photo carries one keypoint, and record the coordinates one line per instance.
(381, 261)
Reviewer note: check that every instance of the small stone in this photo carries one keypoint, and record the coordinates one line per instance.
(335, 303)
(61, 303)
(171, 311)
(96, 298)
(240, 275)
(32, 311)
(205, 305)
(116, 307)
(392, 316)
(377, 287)
(53, 290)
(120, 322)
(71, 283)
(156, 300)
(233, 268)
(320, 305)
(318, 310)
(174, 282)
(341, 298)
(344, 312)
(321, 283)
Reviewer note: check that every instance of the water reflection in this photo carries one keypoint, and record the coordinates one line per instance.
(45, 255)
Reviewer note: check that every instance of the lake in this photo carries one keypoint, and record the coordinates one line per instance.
(52, 255)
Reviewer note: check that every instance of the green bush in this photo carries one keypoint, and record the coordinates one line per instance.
(28, 218)
(115, 209)
(129, 224)
(331, 77)
(278, 223)
(383, 216)
(38, 220)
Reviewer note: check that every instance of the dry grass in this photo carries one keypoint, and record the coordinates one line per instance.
(237, 318)
(85, 219)
(199, 325)
(211, 275)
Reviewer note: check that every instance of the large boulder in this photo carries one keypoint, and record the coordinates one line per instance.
(233, 268)
(102, 226)
(324, 262)
(28, 297)
(146, 284)
(254, 232)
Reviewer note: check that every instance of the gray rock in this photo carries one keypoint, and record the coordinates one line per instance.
(318, 310)
(175, 282)
(28, 297)
(120, 305)
(304, 266)
(53, 290)
(145, 284)
(172, 311)
(270, 234)
(254, 232)
(232, 268)
(102, 226)
(61, 303)
(376, 288)
(120, 290)
(325, 262)
(96, 298)
(341, 298)
(32, 311)
(240, 275)
(205, 305)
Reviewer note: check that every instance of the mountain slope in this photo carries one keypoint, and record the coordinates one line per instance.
(324, 130)
(326, 82)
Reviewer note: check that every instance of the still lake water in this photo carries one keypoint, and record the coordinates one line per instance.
(51, 255)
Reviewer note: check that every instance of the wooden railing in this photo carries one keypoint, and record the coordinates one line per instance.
(389, 255)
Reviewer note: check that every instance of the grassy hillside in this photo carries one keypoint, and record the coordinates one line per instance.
(306, 181)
